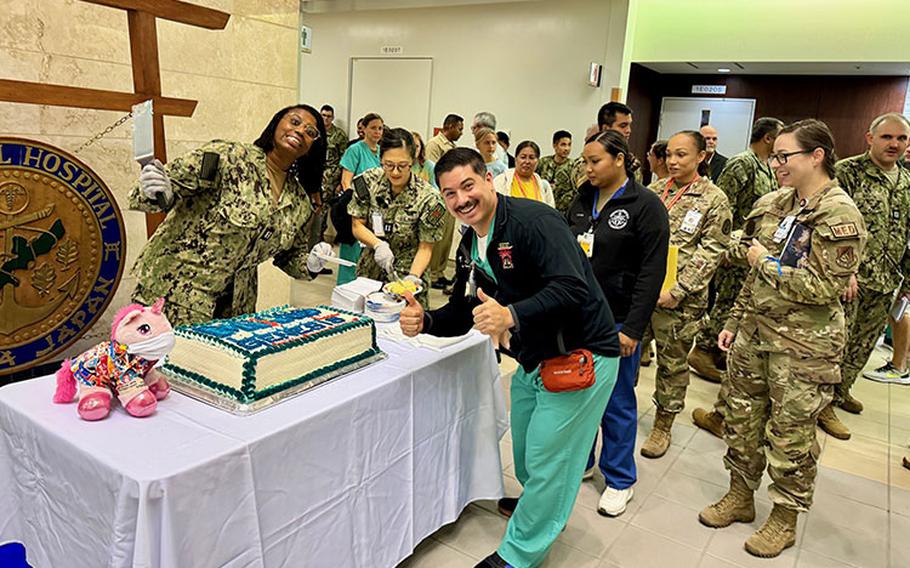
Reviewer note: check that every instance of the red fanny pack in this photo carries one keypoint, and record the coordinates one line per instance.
(566, 373)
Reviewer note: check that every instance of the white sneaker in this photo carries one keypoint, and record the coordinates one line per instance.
(589, 473)
(613, 501)
(888, 374)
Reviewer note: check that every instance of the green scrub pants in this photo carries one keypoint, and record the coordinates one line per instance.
(552, 435)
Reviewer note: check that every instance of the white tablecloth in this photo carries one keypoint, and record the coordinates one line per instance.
(353, 473)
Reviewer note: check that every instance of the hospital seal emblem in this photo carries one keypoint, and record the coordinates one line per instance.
(62, 251)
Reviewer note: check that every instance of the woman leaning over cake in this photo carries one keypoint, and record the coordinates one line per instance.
(396, 215)
(231, 206)
(700, 224)
(522, 181)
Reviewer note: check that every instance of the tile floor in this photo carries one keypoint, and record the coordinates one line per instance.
(861, 515)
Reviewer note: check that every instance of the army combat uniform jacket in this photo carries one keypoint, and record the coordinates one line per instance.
(336, 143)
(412, 217)
(700, 226)
(744, 179)
(791, 299)
(885, 208)
(203, 258)
(560, 178)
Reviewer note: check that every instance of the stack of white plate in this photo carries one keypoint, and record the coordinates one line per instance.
(382, 307)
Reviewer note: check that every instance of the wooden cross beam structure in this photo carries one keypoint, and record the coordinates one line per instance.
(142, 15)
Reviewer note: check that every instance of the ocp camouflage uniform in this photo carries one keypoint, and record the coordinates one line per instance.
(885, 208)
(414, 216)
(790, 332)
(336, 143)
(700, 226)
(203, 258)
(560, 178)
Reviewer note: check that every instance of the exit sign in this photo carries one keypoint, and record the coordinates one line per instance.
(709, 89)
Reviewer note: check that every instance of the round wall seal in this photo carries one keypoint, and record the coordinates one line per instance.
(62, 251)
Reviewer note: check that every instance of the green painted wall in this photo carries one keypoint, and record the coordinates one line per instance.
(770, 30)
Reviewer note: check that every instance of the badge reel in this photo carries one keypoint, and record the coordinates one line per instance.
(784, 229)
(378, 225)
(586, 241)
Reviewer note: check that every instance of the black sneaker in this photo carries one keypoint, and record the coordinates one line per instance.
(440, 284)
(493, 561)
(326, 271)
(506, 506)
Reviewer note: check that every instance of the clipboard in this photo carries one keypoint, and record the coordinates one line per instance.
(672, 266)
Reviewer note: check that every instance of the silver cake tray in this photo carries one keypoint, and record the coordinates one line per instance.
(204, 394)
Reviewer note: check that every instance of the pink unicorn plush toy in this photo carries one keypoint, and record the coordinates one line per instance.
(140, 336)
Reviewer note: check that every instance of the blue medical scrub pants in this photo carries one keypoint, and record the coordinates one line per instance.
(619, 425)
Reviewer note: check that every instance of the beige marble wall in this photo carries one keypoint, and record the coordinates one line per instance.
(240, 76)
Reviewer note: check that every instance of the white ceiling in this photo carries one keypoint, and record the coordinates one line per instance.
(782, 68)
(323, 6)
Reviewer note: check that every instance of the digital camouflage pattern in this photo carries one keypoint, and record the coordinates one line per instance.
(790, 334)
(886, 211)
(865, 318)
(203, 258)
(797, 310)
(415, 215)
(560, 178)
(770, 420)
(885, 208)
(336, 143)
(744, 179)
(700, 227)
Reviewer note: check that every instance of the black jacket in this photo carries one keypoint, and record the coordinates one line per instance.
(716, 166)
(631, 237)
(543, 277)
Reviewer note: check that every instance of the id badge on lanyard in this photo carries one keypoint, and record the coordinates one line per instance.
(378, 225)
(784, 229)
(586, 241)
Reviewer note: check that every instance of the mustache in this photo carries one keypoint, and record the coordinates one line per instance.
(466, 206)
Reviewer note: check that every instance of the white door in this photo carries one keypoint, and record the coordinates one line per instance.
(731, 117)
(398, 89)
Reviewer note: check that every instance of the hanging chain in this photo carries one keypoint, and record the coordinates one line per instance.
(104, 132)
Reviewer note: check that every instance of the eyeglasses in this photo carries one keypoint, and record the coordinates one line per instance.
(311, 132)
(390, 167)
(783, 157)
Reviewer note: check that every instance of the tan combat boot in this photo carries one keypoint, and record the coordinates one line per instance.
(704, 364)
(737, 506)
(830, 423)
(710, 421)
(659, 439)
(851, 405)
(778, 533)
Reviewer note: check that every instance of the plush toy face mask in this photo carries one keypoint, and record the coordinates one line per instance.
(146, 332)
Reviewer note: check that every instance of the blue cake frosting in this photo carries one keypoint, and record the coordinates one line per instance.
(253, 336)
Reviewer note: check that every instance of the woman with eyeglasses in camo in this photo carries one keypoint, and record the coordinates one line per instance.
(397, 215)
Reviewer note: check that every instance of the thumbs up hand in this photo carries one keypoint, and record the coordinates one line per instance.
(491, 318)
(411, 317)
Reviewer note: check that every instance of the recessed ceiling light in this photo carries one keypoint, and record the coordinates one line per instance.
(723, 70)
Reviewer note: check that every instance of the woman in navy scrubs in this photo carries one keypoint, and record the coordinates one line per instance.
(624, 229)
